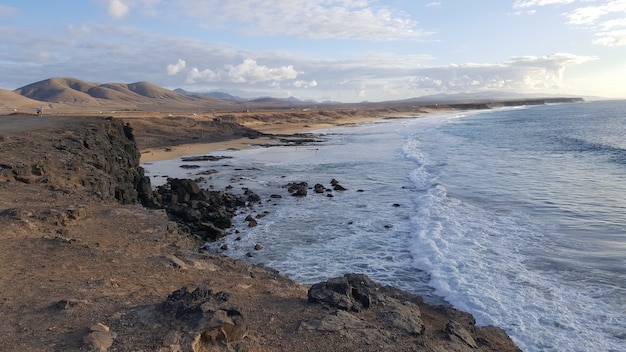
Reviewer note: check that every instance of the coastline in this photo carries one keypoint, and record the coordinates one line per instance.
(269, 132)
(83, 271)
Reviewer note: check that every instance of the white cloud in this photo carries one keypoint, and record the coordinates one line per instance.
(433, 4)
(612, 38)
(526, 73)
(590, 14)
(251, 72)
(615, 23)
(173, 69)
(195, 75)
(118, 9)
(605, 18)
(312, 19)
(424, 82)
(609, 30)
(585, 15)
(305, 84)
(520, 4)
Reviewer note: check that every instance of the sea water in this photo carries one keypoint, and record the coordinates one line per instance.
(514, 215)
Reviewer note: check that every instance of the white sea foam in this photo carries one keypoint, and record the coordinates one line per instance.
(481, 261)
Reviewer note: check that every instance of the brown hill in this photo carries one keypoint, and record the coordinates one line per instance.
(59, 90)
(11, 101)
(139, 95)
(103, 92)
(150, 90)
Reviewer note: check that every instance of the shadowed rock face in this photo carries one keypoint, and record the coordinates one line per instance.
(99, 155)
(202, 213)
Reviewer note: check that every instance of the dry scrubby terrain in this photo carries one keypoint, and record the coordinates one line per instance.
(81, 271)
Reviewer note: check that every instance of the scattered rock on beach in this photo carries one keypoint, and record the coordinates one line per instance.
(251, 221)
(208, 172)
(339, 187)
(205, 158)
(298, 189)
(203, 213)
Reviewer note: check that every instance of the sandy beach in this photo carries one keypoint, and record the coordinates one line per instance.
(272, 130)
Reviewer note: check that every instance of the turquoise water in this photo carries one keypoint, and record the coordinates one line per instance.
(515, 215)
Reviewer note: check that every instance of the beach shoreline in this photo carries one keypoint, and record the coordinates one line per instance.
(270, 134)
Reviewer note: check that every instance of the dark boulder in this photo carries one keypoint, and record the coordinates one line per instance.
(184, 186)
(339, 187)
(298, 189)
(206, 318)
(209, 232)
(356, 293)
(351, 292)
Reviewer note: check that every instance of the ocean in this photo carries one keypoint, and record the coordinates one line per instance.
(516, 215)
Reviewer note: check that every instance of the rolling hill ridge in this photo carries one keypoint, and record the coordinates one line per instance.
(139, 95)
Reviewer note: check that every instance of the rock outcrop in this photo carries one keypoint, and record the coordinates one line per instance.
(100, 156)
(201, 213)
(204, 318)
(359, 308)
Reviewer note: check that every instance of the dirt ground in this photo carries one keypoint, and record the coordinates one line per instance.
(69, 261)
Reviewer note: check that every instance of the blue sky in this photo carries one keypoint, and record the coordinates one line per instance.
(340, 50)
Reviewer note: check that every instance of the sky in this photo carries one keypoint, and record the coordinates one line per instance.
(323, 50)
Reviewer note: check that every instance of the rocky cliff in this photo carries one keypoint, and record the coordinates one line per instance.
(96, 155)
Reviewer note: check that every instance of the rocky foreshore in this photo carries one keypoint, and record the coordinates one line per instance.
(87, 267)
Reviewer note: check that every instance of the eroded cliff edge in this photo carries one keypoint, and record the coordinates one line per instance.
(85, 267)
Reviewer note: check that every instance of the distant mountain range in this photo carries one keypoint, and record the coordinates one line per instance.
(217, 95)
(262, 100)
(57, 93)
